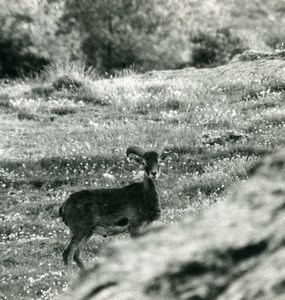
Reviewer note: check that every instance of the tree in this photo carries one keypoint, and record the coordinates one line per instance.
(28, 36)
(117, 34)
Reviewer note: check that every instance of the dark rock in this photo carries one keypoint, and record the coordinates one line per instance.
(212, 137)
(234, 250)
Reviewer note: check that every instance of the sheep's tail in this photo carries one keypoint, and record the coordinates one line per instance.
(61, 212)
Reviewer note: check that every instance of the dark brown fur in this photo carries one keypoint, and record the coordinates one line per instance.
(112, 211)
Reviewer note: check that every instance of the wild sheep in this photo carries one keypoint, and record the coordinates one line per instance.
(112, 211)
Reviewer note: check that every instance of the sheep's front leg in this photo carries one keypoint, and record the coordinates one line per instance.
(135, 230)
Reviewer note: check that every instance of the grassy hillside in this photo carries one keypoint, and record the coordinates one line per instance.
(63, 133)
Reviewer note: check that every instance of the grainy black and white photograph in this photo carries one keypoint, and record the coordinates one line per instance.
(142, 149)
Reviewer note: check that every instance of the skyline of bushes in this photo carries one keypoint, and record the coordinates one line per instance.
(109, 36)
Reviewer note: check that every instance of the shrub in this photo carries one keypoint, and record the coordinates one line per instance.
(214, 47)
(42, 91)
(26, 115)
(121, 34)
(4, 101)
(15, 60)
(29, 36)
(276, 40)
(63, 110)
(66, 82)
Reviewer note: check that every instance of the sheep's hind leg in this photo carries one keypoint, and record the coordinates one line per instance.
(77, 255)
(69, 252)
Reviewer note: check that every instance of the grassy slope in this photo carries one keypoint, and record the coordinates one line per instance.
(54, 142)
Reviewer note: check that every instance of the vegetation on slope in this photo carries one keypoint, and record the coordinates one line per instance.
(69, 130)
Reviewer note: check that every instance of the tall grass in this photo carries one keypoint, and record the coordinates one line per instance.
(76, 70)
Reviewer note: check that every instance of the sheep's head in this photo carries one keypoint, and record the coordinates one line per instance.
(149, 159)
(151, 163)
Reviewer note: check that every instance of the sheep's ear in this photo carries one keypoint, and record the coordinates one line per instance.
(165, 153)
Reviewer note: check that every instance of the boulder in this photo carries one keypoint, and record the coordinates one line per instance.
(233, 250)
(213, 137)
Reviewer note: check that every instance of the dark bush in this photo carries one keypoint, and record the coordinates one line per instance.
(29, 37)
(42, 91)
(121, 34)
(15, 62)
(66, 82)
(212, 47)
(62, 111)
(25, 115)
(276, 41)
(4, 101)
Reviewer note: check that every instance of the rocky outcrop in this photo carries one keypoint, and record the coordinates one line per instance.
(245, 69)
(234, 250)
(250, 55)
(218, 137)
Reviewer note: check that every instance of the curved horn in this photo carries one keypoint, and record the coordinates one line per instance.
(135, 150)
